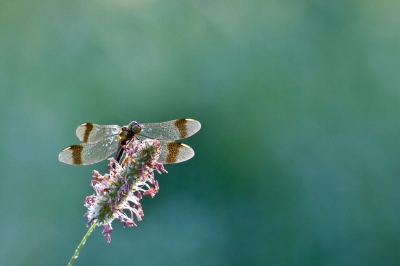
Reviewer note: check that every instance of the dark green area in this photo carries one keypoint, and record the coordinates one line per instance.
(297, 162)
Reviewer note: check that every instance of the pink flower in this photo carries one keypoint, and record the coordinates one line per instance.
(115, 191)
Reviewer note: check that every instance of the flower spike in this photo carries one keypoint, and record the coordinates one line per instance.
(117, 193)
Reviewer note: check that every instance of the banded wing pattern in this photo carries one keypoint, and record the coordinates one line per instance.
(100, 141)
(174, 152)
(89, 153)
(89, 132)
(170, 130)
(166, 132)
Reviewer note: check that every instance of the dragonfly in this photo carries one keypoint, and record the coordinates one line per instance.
(99, 142)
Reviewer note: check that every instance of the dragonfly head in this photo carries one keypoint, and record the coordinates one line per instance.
(135, 127)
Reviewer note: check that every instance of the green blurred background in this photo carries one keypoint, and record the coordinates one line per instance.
(297, 162)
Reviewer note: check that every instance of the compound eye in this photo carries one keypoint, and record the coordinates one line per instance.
(136, 128)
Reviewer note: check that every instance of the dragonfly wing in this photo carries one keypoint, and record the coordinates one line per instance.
(171, 130)
(89, 132)
(174, 152)
(89, 153)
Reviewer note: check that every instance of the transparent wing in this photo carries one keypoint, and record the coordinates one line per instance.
(89, 132)
(174, 152)
(170, 130)
(89, 153)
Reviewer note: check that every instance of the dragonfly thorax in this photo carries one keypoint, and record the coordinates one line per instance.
(129, 132)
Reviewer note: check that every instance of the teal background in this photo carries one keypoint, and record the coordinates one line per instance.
(297, 161)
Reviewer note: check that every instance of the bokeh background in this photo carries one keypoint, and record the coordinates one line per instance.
(297, 161)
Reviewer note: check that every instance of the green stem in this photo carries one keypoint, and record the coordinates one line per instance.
(81, 244)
